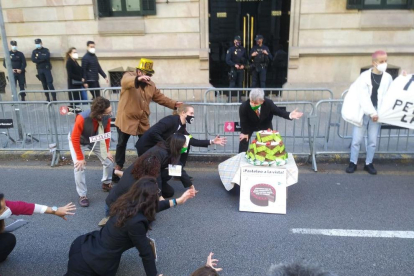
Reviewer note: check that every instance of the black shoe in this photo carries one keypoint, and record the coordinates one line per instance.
(351, 168)
(370, 169)
(177, 178)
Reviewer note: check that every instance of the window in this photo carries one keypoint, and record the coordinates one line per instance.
(113, 8)
(380, 4)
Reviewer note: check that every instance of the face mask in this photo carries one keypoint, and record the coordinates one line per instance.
(14, 48)
(38, 46)
(91, 50)
(75, 55)
(183, 150)
(382, 67)
(189, 119)
(107, 117)
(6, 214)
(256, 107)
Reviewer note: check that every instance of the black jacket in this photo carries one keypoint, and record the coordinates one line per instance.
(102, 250)
(249, 120)
(166, 127)
(91, 67)
(236, 55)
(74, 72)
(42, 58)
(18, 61)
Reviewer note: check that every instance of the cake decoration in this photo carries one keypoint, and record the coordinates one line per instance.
(267, 149)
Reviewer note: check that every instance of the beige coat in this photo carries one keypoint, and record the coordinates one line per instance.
(133, 112)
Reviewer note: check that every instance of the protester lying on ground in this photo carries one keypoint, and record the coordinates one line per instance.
(8, 208)
(209, 269)
(89, 123)
(298, 269)
(169, 125)
(99, 252)
(146, 165)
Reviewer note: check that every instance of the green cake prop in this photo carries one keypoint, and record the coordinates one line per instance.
(267, 149)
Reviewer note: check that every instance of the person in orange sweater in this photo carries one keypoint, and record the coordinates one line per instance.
(90, 132)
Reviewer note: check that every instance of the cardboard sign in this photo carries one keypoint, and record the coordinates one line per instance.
(6, 123)
(263, 190)
(63, 110)
(232, 126)
(174, 170)
(100, 137)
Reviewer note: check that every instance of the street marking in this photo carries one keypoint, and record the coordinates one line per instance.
(355, 233)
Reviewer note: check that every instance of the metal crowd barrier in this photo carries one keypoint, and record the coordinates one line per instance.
(61, 95)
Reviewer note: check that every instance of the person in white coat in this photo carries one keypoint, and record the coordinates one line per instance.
(360, 109)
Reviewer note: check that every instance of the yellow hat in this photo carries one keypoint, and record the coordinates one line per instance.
(146, 65)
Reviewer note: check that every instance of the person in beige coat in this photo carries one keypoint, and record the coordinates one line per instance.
(132, 117)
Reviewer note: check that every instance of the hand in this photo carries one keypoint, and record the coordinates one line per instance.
(219, 141)
(237, 66)
(85, 85)
(145, 79)
(177, 104)
(192, 187)
(212, 262)
(80, 164)
(110, 157)
(190, 193)
(118, 173)
(65, 210)
(107, 80)
(254, 54)
(243, 136)
(18, 71)
(375, 118)
(295, 114)
(241, 66)
(265, 52)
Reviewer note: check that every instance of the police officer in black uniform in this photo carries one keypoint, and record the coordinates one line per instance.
(41, 56)
(237, 58)
(18, 62)
(260, 56)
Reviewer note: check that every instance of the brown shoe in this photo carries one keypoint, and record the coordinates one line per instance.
(83, 201)
(106, 187)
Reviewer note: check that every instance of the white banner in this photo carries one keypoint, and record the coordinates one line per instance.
(100, 137)
(397, 106)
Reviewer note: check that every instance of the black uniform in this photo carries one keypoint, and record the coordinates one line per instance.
(236, 55)
(259, 64)
(44, 70)
(18, 61)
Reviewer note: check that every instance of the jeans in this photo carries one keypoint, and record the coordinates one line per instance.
(84, 95)
(358, 136)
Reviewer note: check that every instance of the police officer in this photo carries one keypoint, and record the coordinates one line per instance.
(41, 56)
(237, 58)
(260, 56)
(18, 62)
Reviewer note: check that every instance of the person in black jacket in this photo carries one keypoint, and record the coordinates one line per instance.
(237, 59)
(99, 252)
(18, 62)
(41, 56)
(92, 69)
(260, 56)
(75, 76)
(169, 125)
(257, 113)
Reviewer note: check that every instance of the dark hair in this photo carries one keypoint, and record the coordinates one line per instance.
(1, 221)
(147, 164)
(173, 145)
(142, 197)
(67, 55)
(296, 269)
(89, 42)
(98, 107)
(205, 271)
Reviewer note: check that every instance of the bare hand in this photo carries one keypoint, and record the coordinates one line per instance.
(110, 157)
(107, 80)
(241, 66)
(219, 141)
(80, 165)
(18, 71)
(265, 52)
(237, 66)
(243, 136)
(145, 79)
(119, 173)
(295, 114)
(65, 210)
(254, 54)
(85, 85)
(212, 262)
(190, 193)
(375, 118)
(177, 104)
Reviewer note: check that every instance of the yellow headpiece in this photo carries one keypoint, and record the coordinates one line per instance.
(146, 65)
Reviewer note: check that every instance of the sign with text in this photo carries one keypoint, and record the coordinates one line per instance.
(397, 107)
(100, 137)
(6, 123)
(263, 190)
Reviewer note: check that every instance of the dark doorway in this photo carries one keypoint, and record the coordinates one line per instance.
(229, 18)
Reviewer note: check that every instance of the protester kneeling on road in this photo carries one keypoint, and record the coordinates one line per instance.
(8, 208)
(89, 133)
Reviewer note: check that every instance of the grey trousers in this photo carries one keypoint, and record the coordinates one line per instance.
(80, 181)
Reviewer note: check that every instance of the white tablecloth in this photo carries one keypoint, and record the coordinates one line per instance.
(230, 170)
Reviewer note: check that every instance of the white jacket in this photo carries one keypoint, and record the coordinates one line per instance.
(358, 102)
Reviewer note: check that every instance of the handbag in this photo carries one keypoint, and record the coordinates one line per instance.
(76, 82)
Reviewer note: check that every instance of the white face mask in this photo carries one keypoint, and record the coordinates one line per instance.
(75, 55)
(92, 50)
(6, 214)
(14, 48)
(382, 67)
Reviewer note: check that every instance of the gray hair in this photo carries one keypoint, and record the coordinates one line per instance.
(256, 94)
(297, 269)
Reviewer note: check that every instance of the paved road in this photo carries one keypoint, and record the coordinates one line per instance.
(245, 243)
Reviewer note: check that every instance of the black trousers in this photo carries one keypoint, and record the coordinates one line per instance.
(74, 96)
(46, 78)
(21, 78)
(121, 147)
(77, 265)
(94, 84)
(237, 81)
(7, 244)
(259, 77)
(166, 190)
(244, 145)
